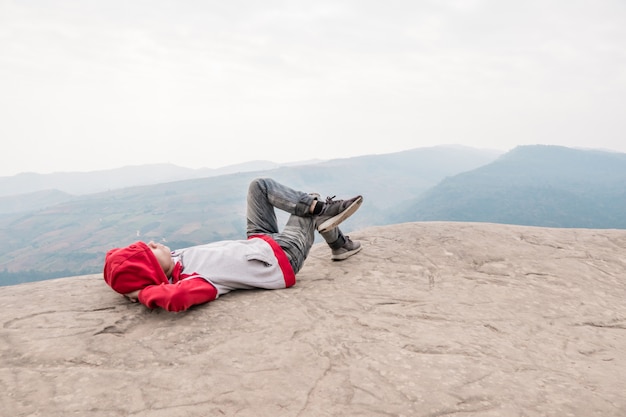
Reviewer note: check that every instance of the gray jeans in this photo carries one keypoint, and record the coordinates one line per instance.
(296, 239)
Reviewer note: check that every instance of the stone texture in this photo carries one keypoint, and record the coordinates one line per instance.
(430, 319)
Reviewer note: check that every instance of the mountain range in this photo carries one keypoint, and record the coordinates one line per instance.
(53, 233)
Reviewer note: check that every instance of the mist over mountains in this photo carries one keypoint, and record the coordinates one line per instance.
(53, 233)
(78, 183)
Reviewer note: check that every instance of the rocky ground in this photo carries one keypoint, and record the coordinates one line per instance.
(430, 319)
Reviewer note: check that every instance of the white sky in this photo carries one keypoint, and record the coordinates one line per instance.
(88, 84)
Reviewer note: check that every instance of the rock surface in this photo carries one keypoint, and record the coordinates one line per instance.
(430, 319)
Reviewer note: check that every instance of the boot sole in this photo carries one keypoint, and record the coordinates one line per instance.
(336, 220)
(346, 255)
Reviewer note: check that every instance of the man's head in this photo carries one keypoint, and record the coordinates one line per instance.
(137, 266)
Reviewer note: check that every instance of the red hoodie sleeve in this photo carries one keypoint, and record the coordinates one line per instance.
(179, 296)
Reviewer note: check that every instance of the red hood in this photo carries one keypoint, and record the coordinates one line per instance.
(132, 268)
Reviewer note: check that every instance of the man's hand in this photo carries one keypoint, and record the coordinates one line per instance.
(133, 296)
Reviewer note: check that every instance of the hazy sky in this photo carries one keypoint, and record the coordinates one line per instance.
(90, 84)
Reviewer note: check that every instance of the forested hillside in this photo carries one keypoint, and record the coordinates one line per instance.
(72, 237)
(531, 185)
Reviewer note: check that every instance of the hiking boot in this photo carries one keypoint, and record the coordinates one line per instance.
(347, 250)
(334, 212)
